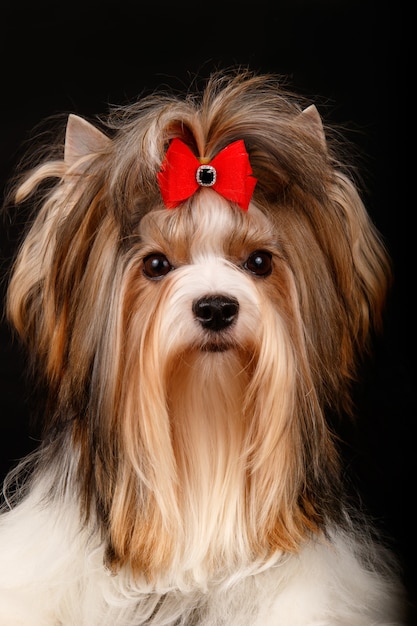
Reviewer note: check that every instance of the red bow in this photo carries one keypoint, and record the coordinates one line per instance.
(229, 173)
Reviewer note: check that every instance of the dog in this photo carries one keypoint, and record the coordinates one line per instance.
(196, 289)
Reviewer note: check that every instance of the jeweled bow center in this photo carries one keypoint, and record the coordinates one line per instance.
(206, 175)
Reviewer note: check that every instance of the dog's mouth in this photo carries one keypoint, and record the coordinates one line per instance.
(216, 346)
(219, 341)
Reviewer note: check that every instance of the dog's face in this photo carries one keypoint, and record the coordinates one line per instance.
(203, 274)
(192, 352)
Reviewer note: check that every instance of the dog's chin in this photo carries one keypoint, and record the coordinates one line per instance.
(216, 346)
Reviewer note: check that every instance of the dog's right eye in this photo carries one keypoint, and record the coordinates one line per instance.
(156, 265)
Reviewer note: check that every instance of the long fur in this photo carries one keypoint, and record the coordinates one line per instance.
(188, 476)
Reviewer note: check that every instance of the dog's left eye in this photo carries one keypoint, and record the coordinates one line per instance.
(259, 263)
(156, 265)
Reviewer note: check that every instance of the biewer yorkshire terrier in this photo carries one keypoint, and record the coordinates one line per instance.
(196, 289)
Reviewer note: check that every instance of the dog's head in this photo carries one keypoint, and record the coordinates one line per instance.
(193, 350)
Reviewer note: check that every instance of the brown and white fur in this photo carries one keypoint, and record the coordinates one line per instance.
(188, 474)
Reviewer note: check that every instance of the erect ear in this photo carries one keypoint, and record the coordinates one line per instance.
(82, 139)
(310, 117)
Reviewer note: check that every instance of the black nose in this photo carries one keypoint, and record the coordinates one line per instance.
(216, 312)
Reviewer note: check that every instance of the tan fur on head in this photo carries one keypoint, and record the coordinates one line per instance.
(194, 449)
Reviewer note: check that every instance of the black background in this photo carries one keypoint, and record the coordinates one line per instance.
(350, 56)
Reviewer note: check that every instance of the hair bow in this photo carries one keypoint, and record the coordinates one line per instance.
(229, 173)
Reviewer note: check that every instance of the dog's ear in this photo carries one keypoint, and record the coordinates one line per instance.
(82, 139)
(310, 117)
